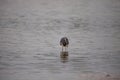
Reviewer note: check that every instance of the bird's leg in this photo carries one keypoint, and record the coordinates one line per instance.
(62, 48)
(65, 48)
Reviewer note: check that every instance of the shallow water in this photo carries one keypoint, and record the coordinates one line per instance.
(30, 32)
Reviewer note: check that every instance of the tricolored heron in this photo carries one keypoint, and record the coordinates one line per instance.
(64, 42)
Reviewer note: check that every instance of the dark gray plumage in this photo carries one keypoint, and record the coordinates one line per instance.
(64, 42)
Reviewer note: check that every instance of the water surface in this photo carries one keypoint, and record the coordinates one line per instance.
(30, 32)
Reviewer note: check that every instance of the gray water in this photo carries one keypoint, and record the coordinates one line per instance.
(30, 31)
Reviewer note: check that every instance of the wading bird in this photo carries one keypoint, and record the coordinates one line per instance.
(64, 42)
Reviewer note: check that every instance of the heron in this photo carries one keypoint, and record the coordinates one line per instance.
(64, 42)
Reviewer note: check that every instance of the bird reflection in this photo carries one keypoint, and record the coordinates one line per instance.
(64, 56)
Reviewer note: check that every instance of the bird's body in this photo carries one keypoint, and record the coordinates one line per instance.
(64, 42)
